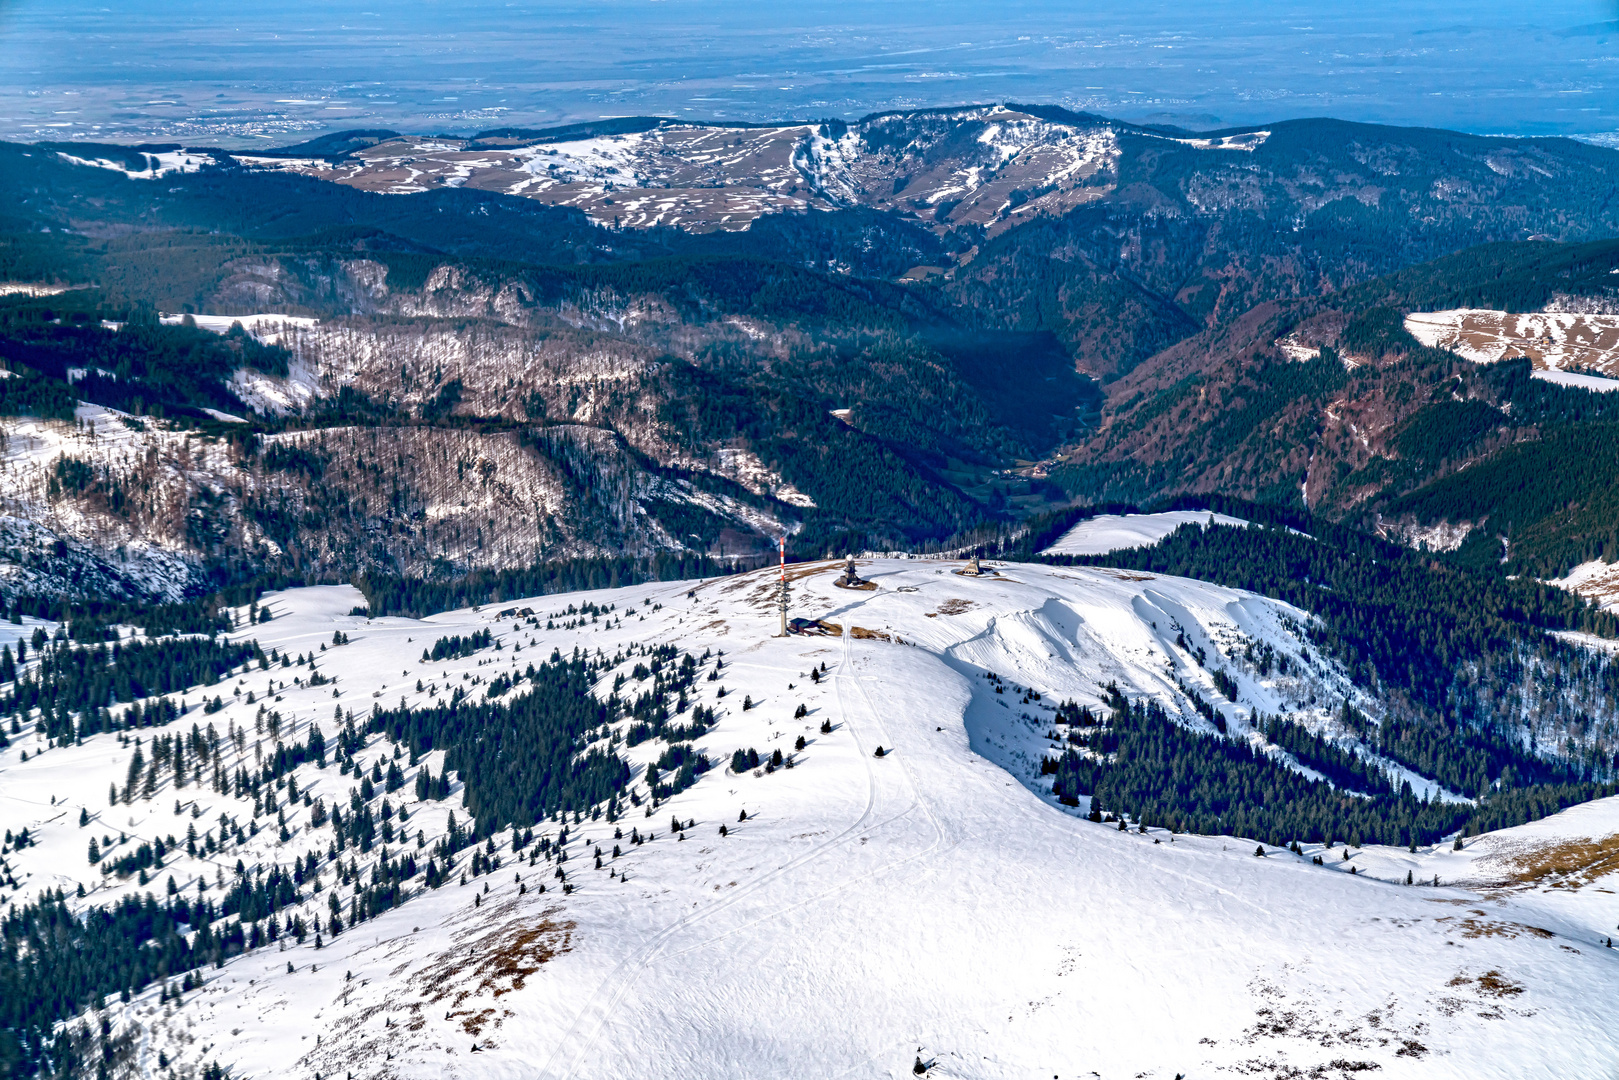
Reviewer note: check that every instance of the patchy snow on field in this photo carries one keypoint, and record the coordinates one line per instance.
(934, 903)
(1570, 348)
(157, 164)
(1245, 140)
(271, 328)
(1595, 580)
(1115, 532)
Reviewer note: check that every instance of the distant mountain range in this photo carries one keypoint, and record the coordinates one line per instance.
(639, 336)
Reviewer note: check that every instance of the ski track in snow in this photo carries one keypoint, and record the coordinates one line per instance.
(936, 902)
(659, 950)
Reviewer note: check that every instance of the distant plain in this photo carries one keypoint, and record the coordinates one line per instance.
(258, 73)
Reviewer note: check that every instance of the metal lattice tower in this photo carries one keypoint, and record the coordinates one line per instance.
(781, 546)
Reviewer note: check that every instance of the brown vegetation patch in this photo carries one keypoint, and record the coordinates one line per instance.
(1283, 1016)
(1331, 1070)
(1491, 928)
(954, 606)
(804, 570)
(519, 952)
(500, 961)
(1567, 864)
(1497, 985)
(475, 1022)
(836, 630)
(1124, 576)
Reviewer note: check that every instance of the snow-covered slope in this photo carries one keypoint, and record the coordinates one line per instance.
(934, 903)
(1595, 580)
(1115, 532)
(988, 165)
(1574, 348)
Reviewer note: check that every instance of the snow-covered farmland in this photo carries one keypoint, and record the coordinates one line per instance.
(935, 903)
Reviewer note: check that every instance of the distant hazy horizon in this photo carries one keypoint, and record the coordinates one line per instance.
(260, 74)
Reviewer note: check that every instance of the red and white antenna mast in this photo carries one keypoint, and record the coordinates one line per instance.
(781, 548)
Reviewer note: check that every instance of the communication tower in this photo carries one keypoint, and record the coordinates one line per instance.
(781, 547)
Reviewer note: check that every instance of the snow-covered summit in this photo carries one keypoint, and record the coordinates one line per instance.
(860, 913)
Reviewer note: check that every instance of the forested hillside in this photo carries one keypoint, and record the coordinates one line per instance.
(477, 381)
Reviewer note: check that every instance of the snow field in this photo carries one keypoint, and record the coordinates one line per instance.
(935, 902)
(270, 327)
(1115, 532)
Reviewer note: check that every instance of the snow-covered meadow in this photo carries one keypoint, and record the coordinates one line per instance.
(935, 903)
(1116, 532)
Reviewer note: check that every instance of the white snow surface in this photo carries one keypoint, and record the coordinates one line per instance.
(269, 327)
(158, 165)
(1580, 382)
(933, 903)
(1115, 532)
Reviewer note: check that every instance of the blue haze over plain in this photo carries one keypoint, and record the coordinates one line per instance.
(260, 73)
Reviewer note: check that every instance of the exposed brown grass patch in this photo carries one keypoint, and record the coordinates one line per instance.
(1492, 928)
(1497, 985)
(804, 570)
(474, 1023)
(1569, 864)
(498, 962)
(836, 630)
(954, 606)
(1124, 575)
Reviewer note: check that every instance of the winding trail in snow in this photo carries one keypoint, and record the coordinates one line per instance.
(592, 1019)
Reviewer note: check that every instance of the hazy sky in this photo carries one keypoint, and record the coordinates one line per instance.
(256, 72)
